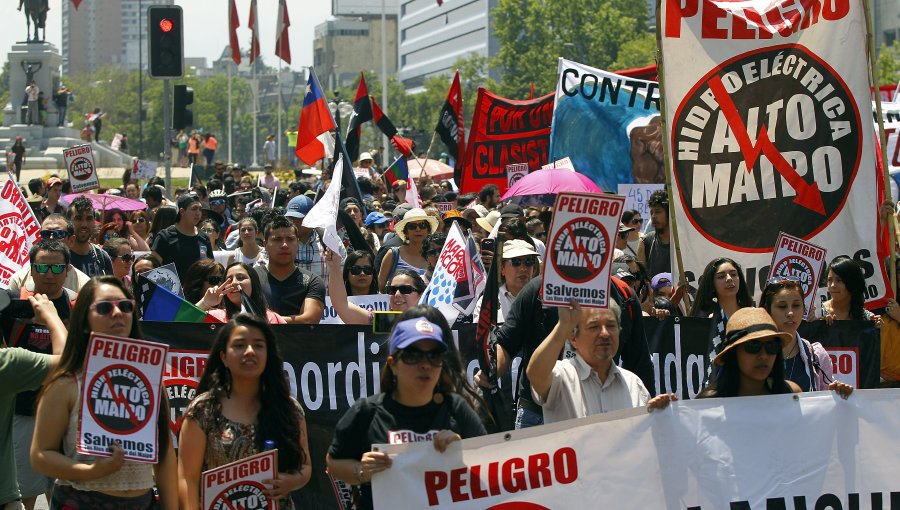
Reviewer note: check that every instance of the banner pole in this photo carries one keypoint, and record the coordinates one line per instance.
(422, 169)
(667, 160)
(891, 225)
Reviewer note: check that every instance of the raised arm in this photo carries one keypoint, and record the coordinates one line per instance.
(540, 368)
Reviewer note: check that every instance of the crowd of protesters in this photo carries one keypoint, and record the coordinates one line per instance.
(233, 240)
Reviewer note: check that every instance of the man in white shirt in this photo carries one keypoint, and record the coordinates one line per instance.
(588, 383)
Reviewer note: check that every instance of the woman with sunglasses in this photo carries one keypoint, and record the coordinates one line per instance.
(431, 250)
(424, 398)
(359, 274)
(104, 306)
(122, 256)
(116, 226)
(248, 250)
(205, 284)
(140, 224)
(415, 226)
(805, 363)
(243, 401)
(632, 218)
(245, 281)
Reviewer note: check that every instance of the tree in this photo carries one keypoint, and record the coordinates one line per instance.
(889, 64)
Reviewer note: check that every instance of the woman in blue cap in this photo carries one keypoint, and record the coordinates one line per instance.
(424, 398)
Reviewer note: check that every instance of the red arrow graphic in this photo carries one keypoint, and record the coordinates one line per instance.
(808, 195)
(120, 399)
(580, 250)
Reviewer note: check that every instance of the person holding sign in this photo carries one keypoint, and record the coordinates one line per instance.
(847, 287)
(243, 400)
(105, 306)
(422, 400)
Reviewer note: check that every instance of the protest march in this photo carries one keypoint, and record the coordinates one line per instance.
(666, 290)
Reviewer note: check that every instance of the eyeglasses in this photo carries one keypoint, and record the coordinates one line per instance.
(433, 253)
(402, 289)
(214, 280)
(529, 262)
(754, 346)
(781, 280)
(128, 257)
(366, 270)
(415, 356)
(54, 234)
(217, 202)
(106, 307)
(208, 230)
(635, 221)
(422, 225)
(54, 268)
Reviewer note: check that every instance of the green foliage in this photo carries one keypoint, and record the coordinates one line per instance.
(889, 64)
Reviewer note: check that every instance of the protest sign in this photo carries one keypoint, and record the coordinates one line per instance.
(371, 302)
(768, 131)
(696, 455)
(637, 197)
(565, 162)
(580, 247)
(458, 276)
(505, 131)
(19, 230)
(891, 117)
(624, 142)
(239, 485)
(143, 170)
(116, 141)
(80, 165)
(796, 259)
(120, 397)
(181, 376)
(514, 172)
(444, 207)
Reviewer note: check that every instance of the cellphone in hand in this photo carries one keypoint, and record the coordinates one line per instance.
(382, 322)
(489, 245)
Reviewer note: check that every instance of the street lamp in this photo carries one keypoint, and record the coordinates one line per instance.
(339, 109)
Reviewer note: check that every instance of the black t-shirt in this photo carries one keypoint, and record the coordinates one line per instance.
(183, 250)
(286, 296)
(657, 254)
(528, 324)
(95, 263)
(381, 419)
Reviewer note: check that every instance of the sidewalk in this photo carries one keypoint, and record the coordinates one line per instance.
(104, 173)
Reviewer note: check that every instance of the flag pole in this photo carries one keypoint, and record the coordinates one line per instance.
(230, 130)
(278, 136)
(873, 80)
(422, 166)
(679, 261)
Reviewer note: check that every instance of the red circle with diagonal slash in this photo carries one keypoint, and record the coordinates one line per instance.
(579, 250)
(139, 393)
(803, 163)
(243, 488)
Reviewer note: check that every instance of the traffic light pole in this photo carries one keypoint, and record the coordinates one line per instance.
(167, 133)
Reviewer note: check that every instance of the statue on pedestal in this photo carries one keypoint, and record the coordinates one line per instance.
(29, 69)
(36, 11)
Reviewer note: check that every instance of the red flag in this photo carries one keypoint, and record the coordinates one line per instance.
(440, 2)
(283, 44)
(77, 3)
(403, 145)
(362, 113)
(254, 25)
(233, 23)
(451, 127)
(315, 120)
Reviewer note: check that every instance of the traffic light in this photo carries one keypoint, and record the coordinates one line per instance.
(166, 41)
(182, 116)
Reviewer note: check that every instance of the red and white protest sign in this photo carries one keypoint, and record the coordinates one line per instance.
(845, 364)
(514, 172)
(19, 230)
(767, 129)
(181, 376)
(580, 249)
(239, 485)
(120, 397)
(796, 258)
(444, 207)
(143, 170)
(80, 165)
(565, 162)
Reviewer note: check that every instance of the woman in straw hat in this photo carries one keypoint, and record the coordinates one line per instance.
(751, 359)
(415, 226)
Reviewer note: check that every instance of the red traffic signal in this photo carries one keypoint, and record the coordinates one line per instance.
(165, 41)
(166, 25)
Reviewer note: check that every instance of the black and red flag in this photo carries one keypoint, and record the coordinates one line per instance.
(362, 113)
(403, 145)
(452, 128)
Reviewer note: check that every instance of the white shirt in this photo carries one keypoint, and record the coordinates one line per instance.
(540, 248)
(576, 391)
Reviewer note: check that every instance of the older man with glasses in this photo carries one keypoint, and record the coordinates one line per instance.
(54, 228)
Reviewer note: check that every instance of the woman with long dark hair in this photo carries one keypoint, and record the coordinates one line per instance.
(360, 276)
(847, 287)
(203, 276)
(423, 391)
(246, 282)
(164, 218)
(105, 305)
(248, 250)
(243, 400)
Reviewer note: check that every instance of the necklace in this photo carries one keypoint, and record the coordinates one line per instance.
(793, 357)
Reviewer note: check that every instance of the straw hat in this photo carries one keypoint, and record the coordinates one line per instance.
(749, 324)
(414, 215)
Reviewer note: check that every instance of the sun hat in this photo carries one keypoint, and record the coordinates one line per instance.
(747, 324)
(454, 215)
(415, 330)
(624, 228)
(365, 156)
(414, 215)
(517, 248)
(488, 221)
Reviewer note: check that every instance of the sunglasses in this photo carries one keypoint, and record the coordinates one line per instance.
(214, 280)
(43, 268)
(402, 289)
(529, 262)
(128, 257)
(635, 221)
(366, 270)
(422, 225)
(140, 220)
(754, 346)
(217, 202)
(106, 307)
(541, 234)
(415, 356)
(208, 230)
(433, 253)
(781, 280)
(54, 234)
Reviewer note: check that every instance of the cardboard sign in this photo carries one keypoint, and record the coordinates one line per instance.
(143, 169)
(637, 197)
(514, 172)
(19, 230)
(120, 397)
(580, 249)
(370, 302)
(80, 165)
(845, 362)
(565, 162)
(240, 483)
(796, 258)
(444, 207)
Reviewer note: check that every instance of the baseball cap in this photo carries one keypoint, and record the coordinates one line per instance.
(620, 270)
(400, 211)
(375, 218)
(624, 228)
(53, 181)
(517, 248)
(454, 215)
(511, 211)
(185, 200)
(299, 207)
(414, 330)
(661, 280)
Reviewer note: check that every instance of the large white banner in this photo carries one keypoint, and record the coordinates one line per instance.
(767, 121)
(781, 451)
(19, 230)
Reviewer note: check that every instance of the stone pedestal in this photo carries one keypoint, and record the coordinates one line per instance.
(44, 61)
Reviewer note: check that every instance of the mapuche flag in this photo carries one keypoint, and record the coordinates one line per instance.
(399, 170)
(452, 128)
(314, 140)
(362, 113)
(160, 304)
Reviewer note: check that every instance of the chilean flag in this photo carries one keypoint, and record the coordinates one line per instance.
(254, 27)
(233, 24)
(283, 43)
(314, 140)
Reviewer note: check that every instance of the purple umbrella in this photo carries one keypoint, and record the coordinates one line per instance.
(105, 201)
(539, 188)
